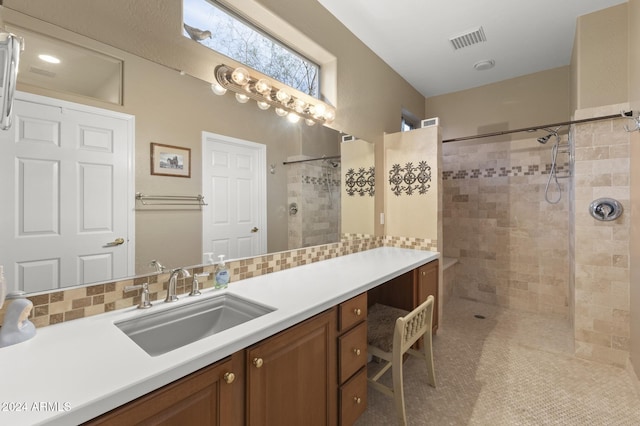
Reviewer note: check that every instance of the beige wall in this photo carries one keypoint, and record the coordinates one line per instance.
(530, 100)
(358, 212)
(634, 102)
(409, 213)
(599, 61)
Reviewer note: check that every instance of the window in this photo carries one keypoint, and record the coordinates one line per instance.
(219, 29)
(406, 125)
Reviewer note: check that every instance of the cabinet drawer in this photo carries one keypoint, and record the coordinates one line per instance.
(352, 311)
(353, 398)
(352, 348)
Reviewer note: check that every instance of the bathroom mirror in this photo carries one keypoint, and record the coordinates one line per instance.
(174, 108)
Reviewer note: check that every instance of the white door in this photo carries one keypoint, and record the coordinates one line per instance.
(67, 195)
(234, 188)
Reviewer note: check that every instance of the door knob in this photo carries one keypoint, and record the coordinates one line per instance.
(254, 229)
(116, 242)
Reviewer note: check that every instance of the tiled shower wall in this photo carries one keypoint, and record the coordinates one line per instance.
(511, 244)
(315, 187)
(601, 273)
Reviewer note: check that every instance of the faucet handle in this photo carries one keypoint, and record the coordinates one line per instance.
(195, 285)
(145, 301)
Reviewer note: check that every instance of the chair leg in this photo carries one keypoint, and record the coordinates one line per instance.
(428, 357)
(398, 388)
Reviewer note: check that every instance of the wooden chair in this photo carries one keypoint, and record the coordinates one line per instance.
(391, 332)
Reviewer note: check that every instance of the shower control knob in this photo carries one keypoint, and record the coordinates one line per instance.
(605, 209)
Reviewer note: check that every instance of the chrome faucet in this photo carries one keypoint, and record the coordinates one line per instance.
(173, 279)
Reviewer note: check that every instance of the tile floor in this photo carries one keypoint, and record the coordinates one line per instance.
(511, 368)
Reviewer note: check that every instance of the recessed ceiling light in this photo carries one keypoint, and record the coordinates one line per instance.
(49, 58)
(484, 65)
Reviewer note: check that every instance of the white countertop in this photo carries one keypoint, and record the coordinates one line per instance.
(88, 366)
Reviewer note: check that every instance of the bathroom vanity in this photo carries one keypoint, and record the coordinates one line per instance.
(302, 363)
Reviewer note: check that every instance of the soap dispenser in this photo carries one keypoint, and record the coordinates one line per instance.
(222, 274)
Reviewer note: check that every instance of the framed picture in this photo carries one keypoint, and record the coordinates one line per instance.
(169, 160)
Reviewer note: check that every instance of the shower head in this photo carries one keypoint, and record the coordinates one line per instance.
(552, 132)
(333, 163)
(545, 139)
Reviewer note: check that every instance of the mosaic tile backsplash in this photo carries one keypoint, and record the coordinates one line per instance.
(66, 305)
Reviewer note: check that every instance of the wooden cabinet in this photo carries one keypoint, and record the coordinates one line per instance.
(205, 397)
(410, 289)
(313, 373)
(352, 359)
(291, 377)
(427, 281)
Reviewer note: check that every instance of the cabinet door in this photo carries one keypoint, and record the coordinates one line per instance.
(428, 285)
(291, 377)
(202, 398)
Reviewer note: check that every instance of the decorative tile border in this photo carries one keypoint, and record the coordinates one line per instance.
(530, 170)
(80, 302)
(320, 180)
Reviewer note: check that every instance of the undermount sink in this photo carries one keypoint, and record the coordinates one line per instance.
(164, 331)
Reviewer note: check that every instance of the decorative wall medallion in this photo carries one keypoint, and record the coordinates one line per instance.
(361, 182)
(409, 178)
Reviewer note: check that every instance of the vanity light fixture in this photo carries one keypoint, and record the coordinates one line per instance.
(268, 94)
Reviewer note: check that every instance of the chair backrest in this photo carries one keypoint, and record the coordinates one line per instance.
(413, 325)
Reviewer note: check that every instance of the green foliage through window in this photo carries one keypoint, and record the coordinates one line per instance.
(211, 25)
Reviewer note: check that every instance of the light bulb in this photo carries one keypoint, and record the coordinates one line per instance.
(218, 89)
(299, 105)
(329, 115)
(293, 117)
(242, 98)
(283, 96)
(309, 122)
(281, 112)
(319, 110)
(263, 86)
(263, 105)
(240, 76)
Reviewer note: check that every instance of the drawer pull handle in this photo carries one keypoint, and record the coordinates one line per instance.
(229, 377)
(357, 400)
(357, 352)
(258, 362)
(357, 311)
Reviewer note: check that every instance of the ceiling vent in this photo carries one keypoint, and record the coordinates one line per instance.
(40, 71)
(468, 38)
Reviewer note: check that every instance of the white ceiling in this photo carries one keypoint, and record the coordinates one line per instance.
(412, 36)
